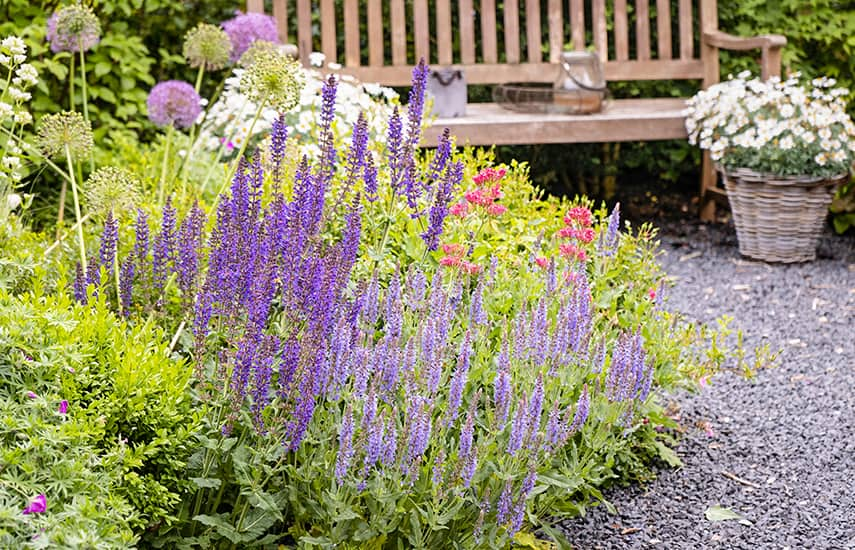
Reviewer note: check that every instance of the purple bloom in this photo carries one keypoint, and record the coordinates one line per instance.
(126, 286)
(369, 178)
(609, 240)
(174, 103)
(278, 140)
(80, 285)
(438, 465)
(519, 427)
(394, 149)
(476, 308)
(519, 509)
(327, 137)
(246, 28)
(390, 442)
(63, 407)
(358, 148)
(304, 410)
(420, 426)
(458, 380)
(439, 209)
(37, 506)
(535, 409)
(73, 29)
(109, 238)
(503, 507)
(582, 407)
(467, 454)
(501, 396)
(164, 246)
(32, 395)
(345, 446)
(93, 274)
(189, 242)
(142, 237)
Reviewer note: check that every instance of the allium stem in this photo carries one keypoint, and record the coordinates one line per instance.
(61, 214)
(85, 99)
(59, 240)
(76, 210)
(161, 187)
(239, 156)
(71, 85)
(222, 148)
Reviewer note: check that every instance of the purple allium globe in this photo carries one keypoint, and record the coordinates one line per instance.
(73, 29)
(246, 28)
(174, 103)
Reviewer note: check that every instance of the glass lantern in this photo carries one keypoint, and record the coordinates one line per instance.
(581, 87)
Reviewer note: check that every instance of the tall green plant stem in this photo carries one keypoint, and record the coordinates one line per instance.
(239, 156)
(85, 98)
(71, 85)
(161, 186)
(118, 285)
(222, 148)
(59, 240)
(76, 210)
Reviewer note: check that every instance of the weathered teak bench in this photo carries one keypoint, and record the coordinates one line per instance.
(526, 48)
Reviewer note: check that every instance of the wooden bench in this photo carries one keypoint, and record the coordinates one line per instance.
(526, 48)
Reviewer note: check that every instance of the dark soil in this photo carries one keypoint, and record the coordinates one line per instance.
(779, 450)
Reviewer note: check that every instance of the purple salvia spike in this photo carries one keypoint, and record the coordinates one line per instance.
(109, 240)
(443, 195)
(394, 149)
(358, 149)
(369, 178)
(345, 446)
(503, 507)
(437, 470)
(502, 397)
(554, 428)
(126, 286)
(327, 137)
(93, 274)
(142, 237)
(648, 382)
(582, 407)
(278, 141)
(476, 307)
(416, 288)
(80, 285)
(519, 509)
(519, 426)
(608, 244)
(535, 409)
(458, 380)
(304, 410)
(164, 246)
(390, 441)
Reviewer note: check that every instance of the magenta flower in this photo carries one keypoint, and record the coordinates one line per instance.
(32, 395)
(63, 407)
(246, 28)
(174, 103)
(37, 506)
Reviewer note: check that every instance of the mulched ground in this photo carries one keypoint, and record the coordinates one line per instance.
(778, 450)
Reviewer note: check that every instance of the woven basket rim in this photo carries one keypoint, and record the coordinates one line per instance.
(738, 174)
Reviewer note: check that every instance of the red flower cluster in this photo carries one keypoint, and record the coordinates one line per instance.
(455, 255)
(485, 195)
(577, 223)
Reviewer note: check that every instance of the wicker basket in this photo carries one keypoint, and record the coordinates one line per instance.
(779, 218)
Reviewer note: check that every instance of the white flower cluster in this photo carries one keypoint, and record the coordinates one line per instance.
(16, 77)
(229, 119)
(774, 126)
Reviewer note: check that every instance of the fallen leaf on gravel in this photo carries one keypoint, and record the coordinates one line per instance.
(690, 256)
(794, 341)
(720, 513)
(630, 530)
(741, 287)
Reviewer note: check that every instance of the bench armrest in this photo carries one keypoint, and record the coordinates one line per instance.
(770, 46)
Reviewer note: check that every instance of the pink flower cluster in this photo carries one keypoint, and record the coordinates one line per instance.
(455, 256)
(577, 228)
(488, 190)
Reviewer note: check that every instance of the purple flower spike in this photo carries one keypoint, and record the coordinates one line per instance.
(278, 141)
(345, 446)
(108, 241)
(80, 285)
(582, 408)
(246, 28)
(63, 407)
(609, 240)
(37, 506)
(174, 103)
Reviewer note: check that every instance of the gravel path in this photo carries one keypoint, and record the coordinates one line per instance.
(789, 435)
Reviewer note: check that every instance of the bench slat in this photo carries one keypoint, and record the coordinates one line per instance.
(492, 73)
(577, 22)
(280, 14)
(399, 32)
(624, 120)
(488, 31)
(511, 12)
(304, 30)
(532, 31)
(375, 32)
(328, 30)
(642, 30)
(421, 34)
(687, 46)
(601, 41)
(556, 30)
(443, 32)
(621, 31)
(663, 28)
(351, 34)
(467, 32)
(255, 6)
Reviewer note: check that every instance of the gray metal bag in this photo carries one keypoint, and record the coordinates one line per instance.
(447, 87)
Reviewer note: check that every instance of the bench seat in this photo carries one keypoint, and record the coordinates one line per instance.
(620, 120)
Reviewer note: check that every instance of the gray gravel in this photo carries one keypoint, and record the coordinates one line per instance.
(788, 435)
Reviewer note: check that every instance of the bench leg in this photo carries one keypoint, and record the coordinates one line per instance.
(708, 181)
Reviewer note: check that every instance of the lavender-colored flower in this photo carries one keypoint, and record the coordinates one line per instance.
(443, 195)
(395, 149)
(467, 454)
(174, 103)
(438, 467)
(358, 149)
(555, 429)
(278, 141)
(141, 233)
(535, 409)
(494, 267)
(609, 241)
(476, 307)
(416, 103)
(246, 28)
(369, 178)
(390, 442)
(189, 242)
(80, 285)
(519, 509)
(644, 391)
(73, 29)
(502, 396)
(93, 274)
(503, 507)
(326, 169)
(583, 406)
(458, 380)
(304, 410)
(109, 239)
(37, 506)
(519, 426)
(345, 446)
(164, 246)
(420, 426)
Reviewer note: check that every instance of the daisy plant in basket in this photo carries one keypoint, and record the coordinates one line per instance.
(774, 127)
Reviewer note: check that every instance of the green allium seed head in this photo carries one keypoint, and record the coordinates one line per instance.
(61, 130)
(255, 49)
(112, 189)
(207, 45)
(273, 78)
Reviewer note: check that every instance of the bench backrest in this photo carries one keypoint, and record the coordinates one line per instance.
(522, 42)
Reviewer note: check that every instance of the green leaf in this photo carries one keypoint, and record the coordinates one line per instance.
(207, 482)
(667, 454)
(720, 513)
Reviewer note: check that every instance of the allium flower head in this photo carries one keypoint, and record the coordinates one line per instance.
(258, 47)
(174, 103)
(207, 45)
(61, 130)
(112, 189)
(246, 28)
(274, 79)
(72, 29)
